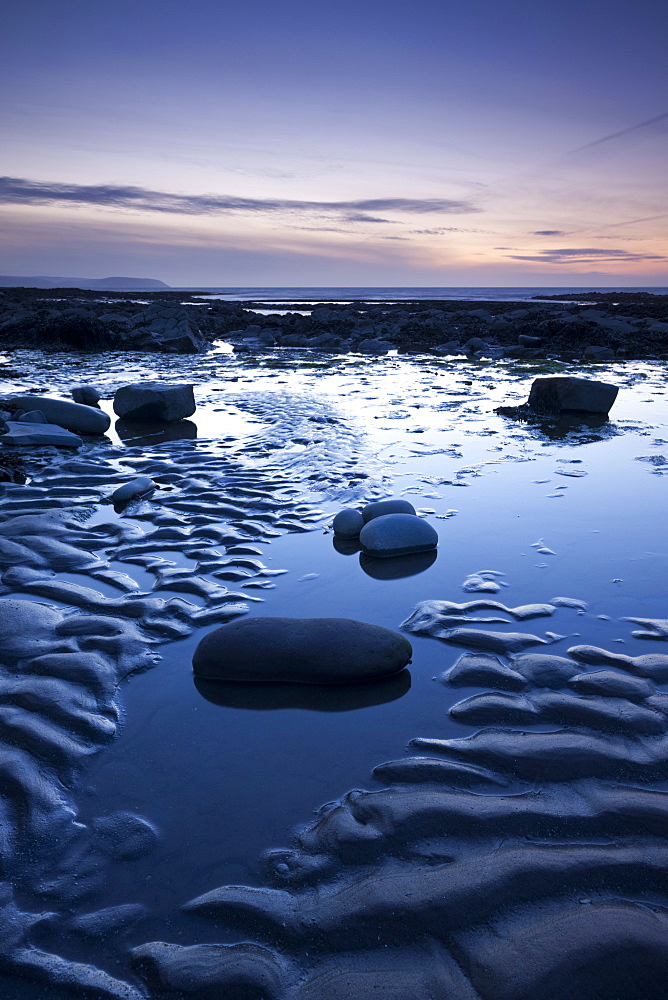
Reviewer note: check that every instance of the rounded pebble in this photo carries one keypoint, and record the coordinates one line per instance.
(397, 535)
(382, 507)
(348, 523)
(302, 650)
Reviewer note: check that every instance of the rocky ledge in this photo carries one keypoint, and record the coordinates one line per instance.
(595, 326)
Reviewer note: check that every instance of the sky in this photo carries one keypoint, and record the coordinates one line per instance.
(430, 142)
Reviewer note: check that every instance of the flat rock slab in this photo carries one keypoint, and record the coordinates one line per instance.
(155, 401)
(552, 395)
(19, 433)
(73, 417)
(397, 535)
(301, 650)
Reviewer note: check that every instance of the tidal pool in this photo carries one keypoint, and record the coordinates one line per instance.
(216, 778)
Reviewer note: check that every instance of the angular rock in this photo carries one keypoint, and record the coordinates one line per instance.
(155, 401)
(72, 416)
(526, 341)
(593, 353)
(557, 393)
(32, 417)
(451, 347)
(300, 650)
(397, 535)
(165, 328)
(87, 395)
(348, 523)
(373, 345)
(381, 507)
(39, 434)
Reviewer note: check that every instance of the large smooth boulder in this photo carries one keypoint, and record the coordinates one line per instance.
(160, 402)
(381, 507)
(73, 417)
(29, 433)
(397, 535)
(301, 650)
(557, 393)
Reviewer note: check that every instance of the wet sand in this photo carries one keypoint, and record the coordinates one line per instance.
(130, 791)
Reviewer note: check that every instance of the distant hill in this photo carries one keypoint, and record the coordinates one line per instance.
(101, 284)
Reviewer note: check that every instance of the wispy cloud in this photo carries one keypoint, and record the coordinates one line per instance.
(658, 119)
(586, 255)
(19, 191)
(548, 232)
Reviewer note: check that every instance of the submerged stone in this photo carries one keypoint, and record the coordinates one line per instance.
(303, 650)
(397, 535)
(155, 401)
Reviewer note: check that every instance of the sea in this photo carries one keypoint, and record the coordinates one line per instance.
(378, 293)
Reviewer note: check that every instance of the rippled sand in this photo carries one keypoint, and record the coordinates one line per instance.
(509, 840)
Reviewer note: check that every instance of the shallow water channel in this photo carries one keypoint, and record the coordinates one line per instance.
(223, 773)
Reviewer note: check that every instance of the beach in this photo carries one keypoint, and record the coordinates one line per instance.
(200, 784)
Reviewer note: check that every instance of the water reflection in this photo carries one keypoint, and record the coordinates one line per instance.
(346, 546)
(398, 566)
(155, 433)
(565, 426)
(313, 697)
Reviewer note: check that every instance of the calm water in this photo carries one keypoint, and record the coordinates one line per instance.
(380, 294)
(569, 510)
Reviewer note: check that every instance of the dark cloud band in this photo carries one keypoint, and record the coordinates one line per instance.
(586, 255)
(19, 191)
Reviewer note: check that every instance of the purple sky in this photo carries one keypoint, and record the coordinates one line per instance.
(436, 142)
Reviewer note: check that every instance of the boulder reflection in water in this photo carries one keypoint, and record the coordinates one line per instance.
(315, 698)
